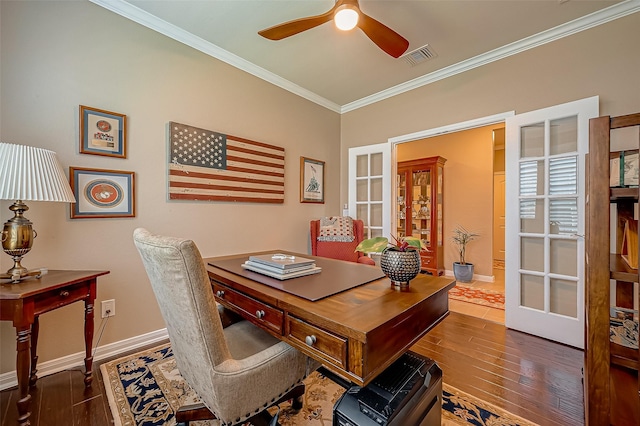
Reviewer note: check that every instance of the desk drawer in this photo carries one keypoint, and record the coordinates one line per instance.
(328, 346)
(251, 309)
(54, 299)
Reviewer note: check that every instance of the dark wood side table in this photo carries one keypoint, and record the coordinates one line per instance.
(24, 302)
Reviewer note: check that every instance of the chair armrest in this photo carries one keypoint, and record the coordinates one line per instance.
(366, 260)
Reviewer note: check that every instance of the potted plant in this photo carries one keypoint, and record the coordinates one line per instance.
(400, 260)
(463, 270)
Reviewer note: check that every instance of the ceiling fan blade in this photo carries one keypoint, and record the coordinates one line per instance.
(386, 39)
(287, 29)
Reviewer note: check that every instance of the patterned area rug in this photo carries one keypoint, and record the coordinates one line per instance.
(145, 389)
(478, 296)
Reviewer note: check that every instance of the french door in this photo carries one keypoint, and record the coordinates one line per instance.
(545, 220)
(370, 188)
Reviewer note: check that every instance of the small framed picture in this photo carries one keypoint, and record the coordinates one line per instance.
(103, 132)
(311, 181)
(102, 193)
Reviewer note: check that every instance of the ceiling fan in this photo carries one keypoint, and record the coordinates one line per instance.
(344, 10)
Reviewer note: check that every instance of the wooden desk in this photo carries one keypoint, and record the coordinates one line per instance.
(357, 333)
(25, 301)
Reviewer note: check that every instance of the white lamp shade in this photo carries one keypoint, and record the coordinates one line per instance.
(32, 174)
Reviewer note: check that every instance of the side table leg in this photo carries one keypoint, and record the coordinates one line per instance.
(88, 341)
(35, 330)
(23, 367)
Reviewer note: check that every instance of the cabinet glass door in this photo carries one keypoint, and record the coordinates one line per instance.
(439, 197)
(420, 212)
(401, 204)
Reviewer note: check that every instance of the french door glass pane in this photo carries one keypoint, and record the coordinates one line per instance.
(532, 254)
(376, 189)
(362, 212)
(532, 215)
(532, 178)
(563, 216)
(375, 232)
(563, 176)
(376, 164)
(564, 135)
(376, 214)
(532, 140)
(564, 257)
(362, 165)
(362, 190)
(564, 294)
(532, 291)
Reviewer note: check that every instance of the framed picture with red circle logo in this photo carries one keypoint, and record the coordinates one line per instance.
(103, 132)
(102, 193)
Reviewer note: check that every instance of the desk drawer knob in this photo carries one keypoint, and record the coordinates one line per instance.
(260, 314)
(310, 340)
(64, 293)
(220, 294)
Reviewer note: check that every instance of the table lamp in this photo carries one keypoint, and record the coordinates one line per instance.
(27, 174)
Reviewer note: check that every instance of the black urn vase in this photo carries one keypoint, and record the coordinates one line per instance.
(400, 266)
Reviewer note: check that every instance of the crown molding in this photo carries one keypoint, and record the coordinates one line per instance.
(129, 11)
(134, 13)
(603, 16)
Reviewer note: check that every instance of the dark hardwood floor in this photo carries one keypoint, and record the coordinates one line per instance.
(528, 376)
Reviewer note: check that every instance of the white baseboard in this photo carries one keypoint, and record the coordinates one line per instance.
(10, 379)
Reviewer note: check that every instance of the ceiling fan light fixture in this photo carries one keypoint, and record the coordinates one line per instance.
(346, 17)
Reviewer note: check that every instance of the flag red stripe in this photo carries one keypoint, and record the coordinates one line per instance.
(251, 161)
(228, 178)
(259, 172)
(224, 187)
(251, 151)
(250, 142)
(203, 197)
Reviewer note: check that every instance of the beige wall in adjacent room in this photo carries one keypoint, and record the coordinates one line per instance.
(468, 189)
(602, 61)
(56, 56)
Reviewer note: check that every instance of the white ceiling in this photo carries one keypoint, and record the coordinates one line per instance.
(345, 70)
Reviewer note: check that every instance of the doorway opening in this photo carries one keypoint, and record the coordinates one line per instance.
(475, 156)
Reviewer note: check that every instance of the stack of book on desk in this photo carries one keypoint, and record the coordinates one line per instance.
(281, 266)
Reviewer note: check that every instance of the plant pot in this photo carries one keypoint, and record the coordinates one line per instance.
(463, 273)
(400, 266)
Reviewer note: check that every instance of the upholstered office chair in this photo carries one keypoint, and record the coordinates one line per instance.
(329, 240)
(237, 371)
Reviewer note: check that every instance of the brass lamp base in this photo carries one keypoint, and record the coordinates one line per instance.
(16, 277)
(17, 239)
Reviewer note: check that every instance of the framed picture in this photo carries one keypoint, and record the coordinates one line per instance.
(103, 132)
(102, 193)
(311, 180)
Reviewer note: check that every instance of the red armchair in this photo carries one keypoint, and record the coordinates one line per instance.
(338, 249)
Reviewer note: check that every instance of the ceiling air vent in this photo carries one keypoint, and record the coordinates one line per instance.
(419, 55)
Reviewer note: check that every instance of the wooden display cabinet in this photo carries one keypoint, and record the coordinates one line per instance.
(612, 387)
(419, 208)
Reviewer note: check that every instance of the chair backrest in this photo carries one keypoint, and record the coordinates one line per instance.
(181, 284)
(337, 249)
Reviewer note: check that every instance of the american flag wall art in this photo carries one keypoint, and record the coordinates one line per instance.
(208, 166)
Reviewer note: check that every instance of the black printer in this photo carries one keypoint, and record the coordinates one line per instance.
(408, 392)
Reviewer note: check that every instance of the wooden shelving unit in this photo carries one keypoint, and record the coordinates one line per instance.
(419, 211)
(612, 387)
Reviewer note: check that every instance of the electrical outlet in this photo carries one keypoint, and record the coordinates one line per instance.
(108, 308)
